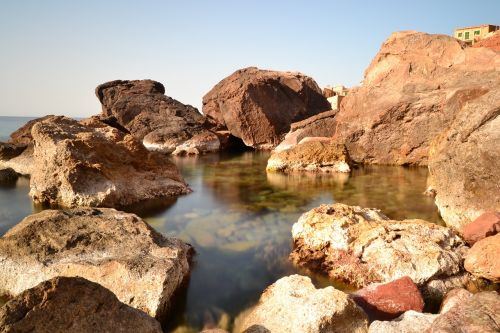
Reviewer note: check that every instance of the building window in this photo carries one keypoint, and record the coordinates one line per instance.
(467, 35)
(459, 34)
(477, 32)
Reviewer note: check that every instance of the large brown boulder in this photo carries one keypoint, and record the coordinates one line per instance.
(142, 107)
(98, 165)
(258, 105)
(412, 90)
(73, 305)
(293, 304)
(464, 161)
(361, 246)
(115, 249)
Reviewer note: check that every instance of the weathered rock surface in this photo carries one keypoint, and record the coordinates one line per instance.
(141, 107)
(293, 304)
(204, 142)
(258, 105)
(362, 246)
(412, 90)
(464, 161)
(320, 125)
(454, 297)
(408, 322)
(115, 249)
(482, 259)
(385, 301)
(9, 150)
(78, 165)
(72, 305)
(480, 313)
(22, 136)
(23, 163)
(315, 155)
(488, 224)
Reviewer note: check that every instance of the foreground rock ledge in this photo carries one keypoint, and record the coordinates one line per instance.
(74, 305)
(317, 155)
(293, 304)
(94, 164)
(362, 246)
(115, 249)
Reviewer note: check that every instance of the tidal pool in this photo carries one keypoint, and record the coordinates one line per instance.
(239, 220)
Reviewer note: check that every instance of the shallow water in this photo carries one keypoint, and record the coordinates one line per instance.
(239, 220)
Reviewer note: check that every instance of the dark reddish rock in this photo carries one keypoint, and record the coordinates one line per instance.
(22, 136)
(320, 125)
(258, 106)
(386, 301)
(141, 107)
(482, 260)
(72, 304)
(488, 224)
(9, 150)
(412, 90)
(479, 313)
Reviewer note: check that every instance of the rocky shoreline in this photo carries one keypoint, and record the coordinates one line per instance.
(426, 100)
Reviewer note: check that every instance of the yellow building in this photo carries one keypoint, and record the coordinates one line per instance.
(470, 35)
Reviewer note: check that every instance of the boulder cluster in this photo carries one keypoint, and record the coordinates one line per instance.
(426, 100)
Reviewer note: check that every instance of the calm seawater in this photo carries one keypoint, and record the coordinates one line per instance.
(239, 220)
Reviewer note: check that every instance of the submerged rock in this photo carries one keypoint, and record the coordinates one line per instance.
(320, 125)
(409, 322)
(258, 105)
(72, 304)
(464, 161)
(115, 249)
(293, 304)
(479, 313)
(414, 87)
(79, 165)
(161, 122)
(482, 259)
(8, 176)
(317, 155)
(362, 246)
(385, 301)
(488, 224)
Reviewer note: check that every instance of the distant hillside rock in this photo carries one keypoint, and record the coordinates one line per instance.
(412, 90)
(142, 107)
(258, 105)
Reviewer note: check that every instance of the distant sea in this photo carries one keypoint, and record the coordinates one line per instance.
(10, 124)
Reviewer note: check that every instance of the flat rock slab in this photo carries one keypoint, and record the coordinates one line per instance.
(293, 304)
(362, 246)
(115, 249)
(316, 155)
(483, 260)
(93, 164)
(386, 301)
(71, 304)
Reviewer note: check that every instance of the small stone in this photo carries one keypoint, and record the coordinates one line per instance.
(408, 322)
(488, 224)
(386, 301)
(482, 259)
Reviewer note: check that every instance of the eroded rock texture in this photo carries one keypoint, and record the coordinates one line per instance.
(115, 249)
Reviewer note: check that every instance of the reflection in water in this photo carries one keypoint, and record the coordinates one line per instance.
(239, 220)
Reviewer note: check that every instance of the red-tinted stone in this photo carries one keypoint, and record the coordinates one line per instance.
(488, 224)
(386, 301)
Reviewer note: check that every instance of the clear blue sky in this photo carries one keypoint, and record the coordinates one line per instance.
(54, 53)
